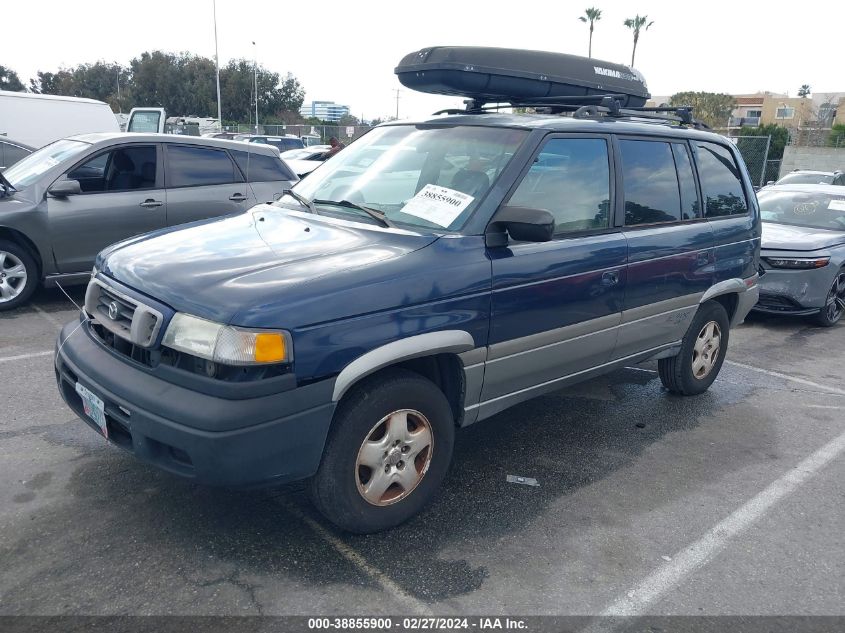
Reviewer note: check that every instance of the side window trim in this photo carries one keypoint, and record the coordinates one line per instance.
(611, 165)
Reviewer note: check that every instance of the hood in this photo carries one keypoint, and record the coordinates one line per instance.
(214, 269)
(787, 237)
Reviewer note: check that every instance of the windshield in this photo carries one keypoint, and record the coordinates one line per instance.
(806, 179)
(430, 178)
(813, 209)
(31, 168)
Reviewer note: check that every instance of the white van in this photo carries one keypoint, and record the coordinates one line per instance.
(38, 120)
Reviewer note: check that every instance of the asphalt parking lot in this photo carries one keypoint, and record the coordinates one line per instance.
(730, 503)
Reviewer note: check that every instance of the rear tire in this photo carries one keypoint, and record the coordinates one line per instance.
(702, 353)
(18, 275)
(387, 453)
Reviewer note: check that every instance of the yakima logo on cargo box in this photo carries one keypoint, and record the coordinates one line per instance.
(609, 72)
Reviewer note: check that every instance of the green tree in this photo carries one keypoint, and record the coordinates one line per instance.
(92, 81)
(591, 16)
(779, 137)
(9, 80)
(712, 108)
(837, 136)
(804, 90)
(636, 24)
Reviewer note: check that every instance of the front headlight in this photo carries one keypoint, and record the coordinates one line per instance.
(227, 344)
(799, 263)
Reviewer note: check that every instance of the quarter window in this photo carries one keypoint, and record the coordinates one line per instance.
(190, 166)
(650, 182)
(262, 168)
(721, 181)
(571, 179)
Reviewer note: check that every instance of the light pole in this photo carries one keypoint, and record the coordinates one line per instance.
(255, 67)
(217, 63)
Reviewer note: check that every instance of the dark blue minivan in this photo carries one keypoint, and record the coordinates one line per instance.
(425, 278)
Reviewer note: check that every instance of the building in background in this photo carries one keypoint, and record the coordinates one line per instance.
(324, 110)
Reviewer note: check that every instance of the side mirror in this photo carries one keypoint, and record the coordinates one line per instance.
(523, 224)
(64, 187)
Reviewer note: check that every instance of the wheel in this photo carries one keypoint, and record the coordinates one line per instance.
(702, 353)
(387, 452)
(18, 275)
(834, 305)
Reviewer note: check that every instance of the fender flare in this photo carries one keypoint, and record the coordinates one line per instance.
(728, 286)
(443, 342)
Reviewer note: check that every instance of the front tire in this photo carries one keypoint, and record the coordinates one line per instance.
(387, 453)
(18, 275)
(703, 351)
(834, 305)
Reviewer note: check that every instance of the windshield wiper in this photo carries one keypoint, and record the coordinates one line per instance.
(305, 202)
(378, 216)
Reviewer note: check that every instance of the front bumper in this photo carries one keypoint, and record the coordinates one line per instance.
(246, 442)
(795, 292)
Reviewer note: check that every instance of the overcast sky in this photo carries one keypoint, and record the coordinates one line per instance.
(346, 51)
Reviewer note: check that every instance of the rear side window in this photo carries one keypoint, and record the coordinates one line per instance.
(262, 168)
(571, 179)
(721, 181)
(650, 182)
(189, 166)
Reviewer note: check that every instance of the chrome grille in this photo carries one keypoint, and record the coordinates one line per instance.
(122, 315)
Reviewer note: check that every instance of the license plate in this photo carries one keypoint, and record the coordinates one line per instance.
(94, 408)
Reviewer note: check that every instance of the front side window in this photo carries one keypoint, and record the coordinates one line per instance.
(571, 179)
(124, 169)
(144, 122)
(721, 180)
(650, 183)
(191, 166)
(425, 177)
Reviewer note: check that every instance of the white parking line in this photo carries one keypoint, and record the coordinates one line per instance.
(670, 575)
(402, 596)
(800, 381)
(9, 359)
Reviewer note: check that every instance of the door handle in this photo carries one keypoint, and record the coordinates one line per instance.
(149, 203)
(237, 197)
(610, 278)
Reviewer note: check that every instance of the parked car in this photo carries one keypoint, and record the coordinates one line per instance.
(428, 277)
(281, 143)
(67, 201)
(802, 261)
(37, 120)
(12, 151)
(812, 177)
(312, 152)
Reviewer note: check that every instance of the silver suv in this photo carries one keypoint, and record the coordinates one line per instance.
(64, 203)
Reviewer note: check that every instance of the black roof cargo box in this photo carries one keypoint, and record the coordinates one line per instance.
(507, 75)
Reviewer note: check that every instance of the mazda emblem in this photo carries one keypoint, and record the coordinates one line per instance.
(114, 310)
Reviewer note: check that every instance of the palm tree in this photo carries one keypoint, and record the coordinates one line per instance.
(592, 15)
(637, 23)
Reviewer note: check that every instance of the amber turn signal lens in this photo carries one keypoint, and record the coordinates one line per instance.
(269, 348)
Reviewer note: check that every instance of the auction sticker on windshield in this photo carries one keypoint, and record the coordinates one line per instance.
(438, 205)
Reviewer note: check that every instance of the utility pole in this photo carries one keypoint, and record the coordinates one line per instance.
(217, 63)
(255, 66)
(397, 91)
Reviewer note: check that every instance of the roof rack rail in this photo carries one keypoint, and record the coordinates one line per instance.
(586, 107)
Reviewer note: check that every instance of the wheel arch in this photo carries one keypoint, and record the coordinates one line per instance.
(15, 236)
(726, 293)
(433, 355)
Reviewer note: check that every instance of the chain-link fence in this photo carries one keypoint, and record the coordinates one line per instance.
(755, 153)
(313, 134)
